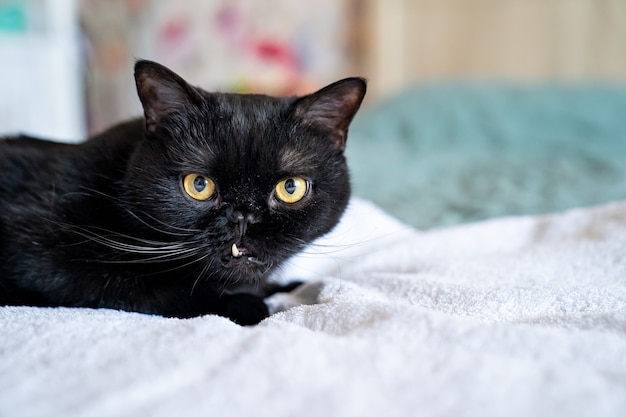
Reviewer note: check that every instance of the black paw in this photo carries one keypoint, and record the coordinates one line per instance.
(244, 309)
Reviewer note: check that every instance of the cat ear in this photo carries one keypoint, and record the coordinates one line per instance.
(162, 92)
(333, 107)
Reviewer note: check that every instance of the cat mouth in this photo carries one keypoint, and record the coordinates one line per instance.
(240, 255)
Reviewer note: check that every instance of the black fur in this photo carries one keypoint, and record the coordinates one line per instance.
(107, 223)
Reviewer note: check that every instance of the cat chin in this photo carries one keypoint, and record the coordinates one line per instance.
(246, 267)
(243, 257)
(243, 262)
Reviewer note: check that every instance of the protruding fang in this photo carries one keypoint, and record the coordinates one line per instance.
(235, 251)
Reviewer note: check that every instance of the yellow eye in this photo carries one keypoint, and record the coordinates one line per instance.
(198, 186)
(291, 190)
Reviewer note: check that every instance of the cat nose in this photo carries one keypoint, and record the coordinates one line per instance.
(242, 219)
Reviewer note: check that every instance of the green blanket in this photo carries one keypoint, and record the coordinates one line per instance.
(445, 154)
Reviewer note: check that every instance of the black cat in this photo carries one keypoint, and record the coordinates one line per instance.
(175, 213)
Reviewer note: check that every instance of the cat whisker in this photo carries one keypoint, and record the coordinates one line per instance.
(169, 257)
(104, 236)
(125, 206)
(127, 247)
(177, 267)
(188, 232)
(203, 273)
(150, 251)
(161, 271)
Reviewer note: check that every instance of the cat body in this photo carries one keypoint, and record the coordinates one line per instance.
(178, 212)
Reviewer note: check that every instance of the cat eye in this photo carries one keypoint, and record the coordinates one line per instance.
(291, 190)
(198, 186)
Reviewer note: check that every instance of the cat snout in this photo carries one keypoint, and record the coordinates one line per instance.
(242, 220)
(240, 217)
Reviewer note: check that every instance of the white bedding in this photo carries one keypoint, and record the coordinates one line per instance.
(510, 317)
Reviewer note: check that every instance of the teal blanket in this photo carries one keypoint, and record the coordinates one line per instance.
(445, 154)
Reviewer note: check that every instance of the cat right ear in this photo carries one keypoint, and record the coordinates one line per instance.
(333, 107)
(162, 92)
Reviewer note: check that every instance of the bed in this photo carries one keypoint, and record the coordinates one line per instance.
(479, 271)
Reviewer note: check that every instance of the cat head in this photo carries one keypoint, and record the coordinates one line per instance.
(247, 180)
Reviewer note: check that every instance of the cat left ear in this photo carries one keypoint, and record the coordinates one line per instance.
(162, 92)
(333, 107)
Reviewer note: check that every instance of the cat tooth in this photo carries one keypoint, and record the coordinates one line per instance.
(235, 251)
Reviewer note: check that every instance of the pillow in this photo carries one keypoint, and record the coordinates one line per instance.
(438, 155)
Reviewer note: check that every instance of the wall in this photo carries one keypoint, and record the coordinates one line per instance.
(274, 46)
(41, 91)
(522, 40)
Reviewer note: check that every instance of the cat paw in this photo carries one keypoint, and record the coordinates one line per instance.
(245, 309)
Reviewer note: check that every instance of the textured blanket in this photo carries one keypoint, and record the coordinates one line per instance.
(519, 316)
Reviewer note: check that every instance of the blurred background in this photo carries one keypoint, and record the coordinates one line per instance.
(475, 108)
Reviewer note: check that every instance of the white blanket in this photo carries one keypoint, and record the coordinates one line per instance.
(509, 317)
